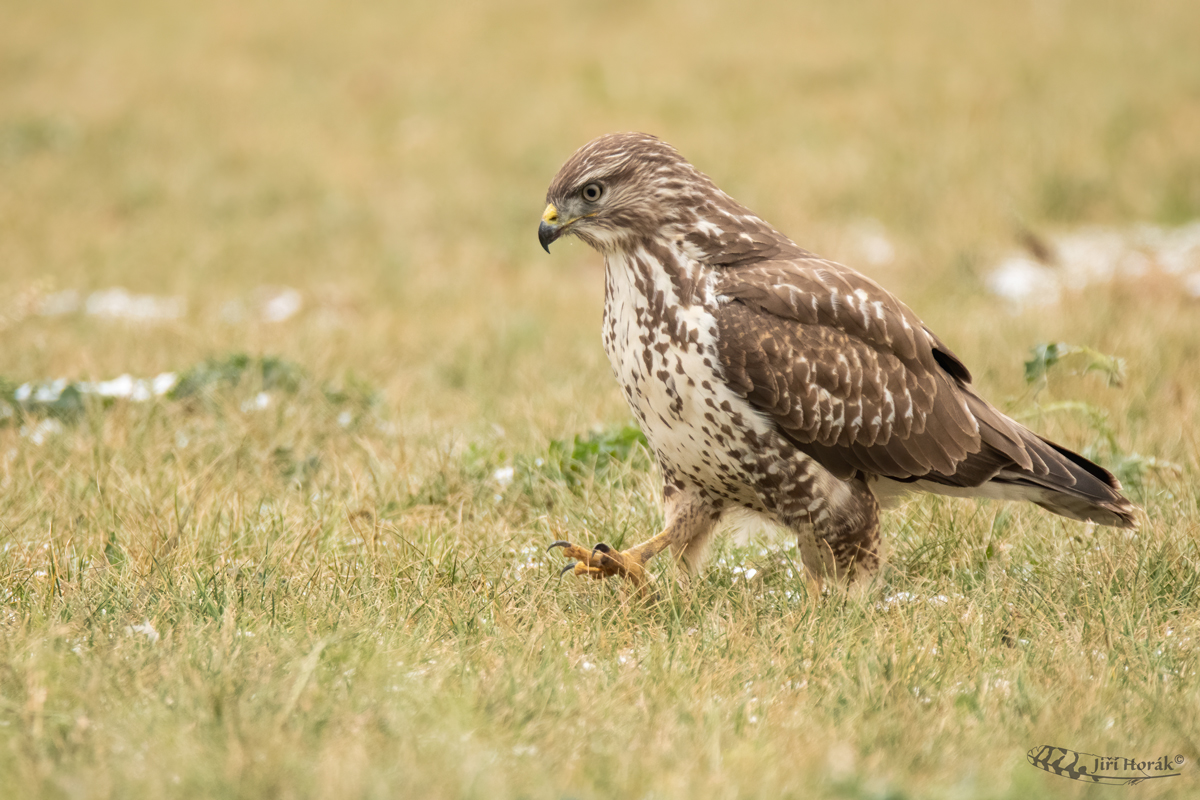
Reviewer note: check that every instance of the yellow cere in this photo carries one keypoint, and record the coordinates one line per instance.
(550, 214)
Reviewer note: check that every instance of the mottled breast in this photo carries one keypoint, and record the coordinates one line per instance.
(662, 349)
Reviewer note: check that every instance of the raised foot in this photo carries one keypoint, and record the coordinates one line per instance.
(601, 562)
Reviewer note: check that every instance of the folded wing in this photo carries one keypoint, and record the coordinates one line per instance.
(852, 377)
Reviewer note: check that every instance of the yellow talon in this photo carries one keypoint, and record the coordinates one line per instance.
(601, 562)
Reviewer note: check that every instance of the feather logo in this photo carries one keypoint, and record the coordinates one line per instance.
(1110, 770)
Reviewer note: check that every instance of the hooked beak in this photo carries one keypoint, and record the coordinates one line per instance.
(549, 229)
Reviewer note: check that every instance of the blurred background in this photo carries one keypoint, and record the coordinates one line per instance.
(291, 400)
(357, 185)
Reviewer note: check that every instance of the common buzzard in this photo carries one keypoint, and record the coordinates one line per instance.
(770, 379)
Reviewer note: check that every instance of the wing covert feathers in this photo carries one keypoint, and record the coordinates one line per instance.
(853, 378)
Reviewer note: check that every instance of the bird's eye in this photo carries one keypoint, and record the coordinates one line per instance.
(592, 192)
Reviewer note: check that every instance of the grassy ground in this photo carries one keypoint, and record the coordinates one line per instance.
(318, 581)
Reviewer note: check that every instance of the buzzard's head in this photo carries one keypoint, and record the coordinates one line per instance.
(619, 188)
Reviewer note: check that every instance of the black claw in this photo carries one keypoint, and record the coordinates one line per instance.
(559, 543)
(566, 569)
(603, 548)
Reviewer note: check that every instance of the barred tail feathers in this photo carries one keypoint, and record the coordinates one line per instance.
(1014, 463)
(1050, 475)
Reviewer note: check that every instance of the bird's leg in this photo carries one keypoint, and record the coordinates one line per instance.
(843, 544)
(690, 519)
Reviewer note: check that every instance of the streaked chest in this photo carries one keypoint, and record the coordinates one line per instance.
(664, 352)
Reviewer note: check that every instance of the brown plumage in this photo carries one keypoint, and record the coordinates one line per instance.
(769, 379)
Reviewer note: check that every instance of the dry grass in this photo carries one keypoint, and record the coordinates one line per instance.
(347, 600)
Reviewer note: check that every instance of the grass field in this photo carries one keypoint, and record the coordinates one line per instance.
(315, 567)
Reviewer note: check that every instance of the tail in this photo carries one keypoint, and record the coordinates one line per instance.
(1017, 464)
(1052, 476)
(1072, 487)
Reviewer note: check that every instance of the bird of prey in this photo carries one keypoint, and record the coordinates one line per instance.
(767, 378)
